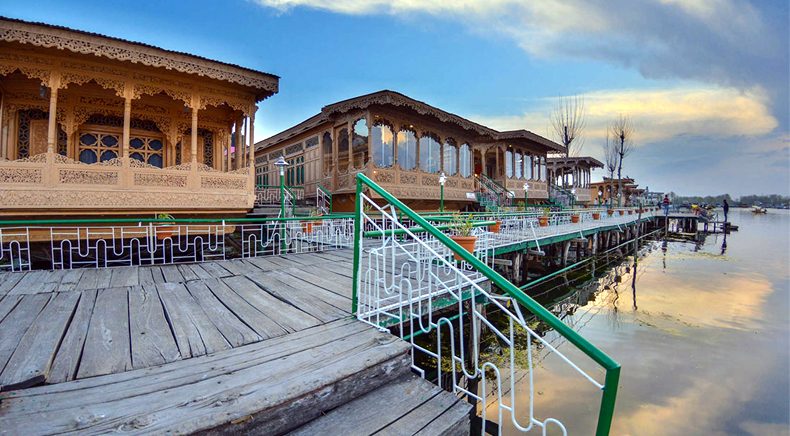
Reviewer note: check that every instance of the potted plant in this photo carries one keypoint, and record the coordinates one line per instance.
(621, 212)
(462, 227)
(496, 227)
(630, 211)
(307, 225)
(543, 220)
(597, 216)
(610, 212)
(164, 230)
(574, 218)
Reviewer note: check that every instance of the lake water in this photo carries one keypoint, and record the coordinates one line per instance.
(702, 335)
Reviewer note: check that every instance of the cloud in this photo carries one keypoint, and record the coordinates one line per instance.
(730, 43)
(659, 114)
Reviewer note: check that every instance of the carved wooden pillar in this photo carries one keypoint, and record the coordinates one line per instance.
(237, 144)
(127, 119)
(52, 134)
(251, 157)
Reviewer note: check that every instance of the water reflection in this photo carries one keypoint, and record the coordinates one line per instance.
(706, 351)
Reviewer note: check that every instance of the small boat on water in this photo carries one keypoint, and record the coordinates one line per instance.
(759, 209)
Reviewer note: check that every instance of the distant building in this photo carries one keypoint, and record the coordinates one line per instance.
(405, 145)
(573, 174)
(94, 125)
(605, 190)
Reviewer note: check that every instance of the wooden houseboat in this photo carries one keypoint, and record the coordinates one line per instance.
(405, 145)
(92, 125)
(573, 174)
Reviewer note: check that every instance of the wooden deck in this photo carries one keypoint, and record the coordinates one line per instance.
(229, 347)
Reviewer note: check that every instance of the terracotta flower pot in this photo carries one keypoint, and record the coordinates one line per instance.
(307, 226)
(164, 231)
(543, 221)
(574, 219)
(630, 212)
(610, 211)
(496, 227)
(622, 212)
(597, 216)
(467, 242)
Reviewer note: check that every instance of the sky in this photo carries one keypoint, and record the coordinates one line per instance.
(706, 82)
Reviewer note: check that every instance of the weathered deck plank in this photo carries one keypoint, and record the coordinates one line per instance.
(195, 334)
(32, 360)
(268, 378)
(64, 367)
(124, 276)
(16, 323)
(235, 332)
(278, 286)
(107, 345)
(152, 340)
(247, 313)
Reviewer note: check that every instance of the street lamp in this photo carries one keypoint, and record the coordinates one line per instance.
(281, 164)
(526, 188)
(442, 179)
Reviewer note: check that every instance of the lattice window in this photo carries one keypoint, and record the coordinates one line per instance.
(208, 146)
(148, 150)
(95, 147)
(23, 132)
(312, 142)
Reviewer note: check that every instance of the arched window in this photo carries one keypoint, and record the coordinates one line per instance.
(430, 152)
(407, 148)
(450, 157)
(329, 163)
(465, 160)
(509, 163)
(519, 164)
(342, 150)
(360, 143)
(382, 143)
(527, 166)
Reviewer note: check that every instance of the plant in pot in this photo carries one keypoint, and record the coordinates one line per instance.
(462, 229)
(621, 212)
(543, 220)
(597, 216)
(307, 225)
(496, 227)
(575, 217)
(630, 211)
(164, 229)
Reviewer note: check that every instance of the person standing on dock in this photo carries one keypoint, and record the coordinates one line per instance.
(666, 205)
(726, 210)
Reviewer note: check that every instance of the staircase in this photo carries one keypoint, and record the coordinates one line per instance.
(560, 196)
(490, 193)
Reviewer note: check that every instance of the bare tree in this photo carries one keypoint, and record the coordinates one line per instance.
(611, 158)
(568, 119)
(622, 131)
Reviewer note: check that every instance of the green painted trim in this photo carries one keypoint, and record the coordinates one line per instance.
(357, 247)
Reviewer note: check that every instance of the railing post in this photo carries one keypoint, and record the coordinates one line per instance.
(357, 246)
(606, 413)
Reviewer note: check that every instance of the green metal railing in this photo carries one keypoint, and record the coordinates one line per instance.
(611, 367)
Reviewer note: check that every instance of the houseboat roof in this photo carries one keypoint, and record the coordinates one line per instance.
(79, 41)
(575, 160)
(392, 98)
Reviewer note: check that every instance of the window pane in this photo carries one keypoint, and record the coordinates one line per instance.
(88, 156)
(407, 149)
(527, 166)
(155, 160)
(107, 155)
(342, 150)
(381, 142)
(450, 157)
(360, 143)
(465, 160)
(328, 161)
(430, 153)
(509, 163)
(519, 164)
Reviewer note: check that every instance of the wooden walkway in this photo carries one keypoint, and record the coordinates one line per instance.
(231, 347)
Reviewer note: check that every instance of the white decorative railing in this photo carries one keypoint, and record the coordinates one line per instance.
(270, 194)
(125, 244)
(405, 276)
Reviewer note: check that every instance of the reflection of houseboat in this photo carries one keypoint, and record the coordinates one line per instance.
(93, 125)
(404, 145)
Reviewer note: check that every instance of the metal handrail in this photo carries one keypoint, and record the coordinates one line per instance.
(612, 368)
(326, 194)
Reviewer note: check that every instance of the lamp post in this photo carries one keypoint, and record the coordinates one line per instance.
(573, 198)
(281, 164)
(442, 179)
(526, 188)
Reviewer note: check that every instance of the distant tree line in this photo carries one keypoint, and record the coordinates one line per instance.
(767, 200)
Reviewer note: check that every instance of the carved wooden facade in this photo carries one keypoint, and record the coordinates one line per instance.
(403, 145)
(92, 124)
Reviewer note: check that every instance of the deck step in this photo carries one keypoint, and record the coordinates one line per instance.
(408, 406)
(269, 387)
